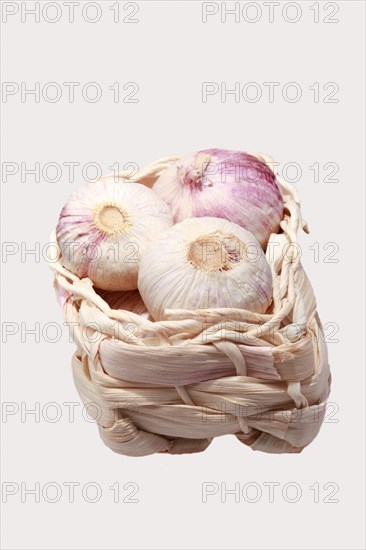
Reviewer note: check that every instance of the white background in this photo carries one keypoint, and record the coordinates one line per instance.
(169, 53)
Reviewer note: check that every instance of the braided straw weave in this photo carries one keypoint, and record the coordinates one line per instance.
(173, 385)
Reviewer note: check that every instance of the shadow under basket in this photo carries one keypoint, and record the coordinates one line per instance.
(173, 385)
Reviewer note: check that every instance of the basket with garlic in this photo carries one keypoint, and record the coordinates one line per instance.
(191, 312)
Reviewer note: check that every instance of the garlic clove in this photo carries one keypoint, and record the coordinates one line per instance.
(205, 263)
(105, 227)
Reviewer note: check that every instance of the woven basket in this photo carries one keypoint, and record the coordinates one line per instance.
(173, 385)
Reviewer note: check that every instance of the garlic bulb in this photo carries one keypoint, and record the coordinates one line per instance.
(205, 263)
(233, 185)
(104, 228)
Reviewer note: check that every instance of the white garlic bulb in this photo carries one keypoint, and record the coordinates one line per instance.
(104, 228)
(205, 263)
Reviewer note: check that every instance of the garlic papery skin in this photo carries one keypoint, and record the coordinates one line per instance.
(104, 228)
(205, 263)
(233, 185)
